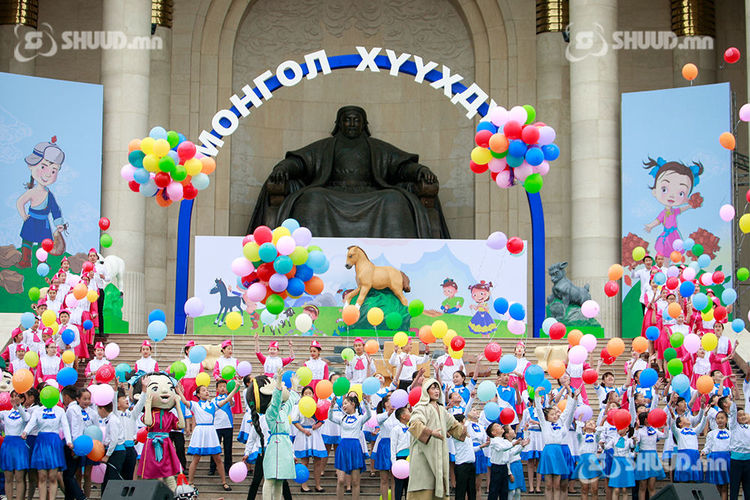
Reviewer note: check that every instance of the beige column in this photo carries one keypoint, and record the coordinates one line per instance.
(693, 21)
(125, 77)
(595, 156)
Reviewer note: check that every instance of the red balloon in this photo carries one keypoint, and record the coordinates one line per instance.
(134, 186)
(493, 351)
(512, 130)
(590, 376)
(162, 179)
(720, 313)
(732, 55)
(141, 435)
(515, 245)
(657, 417)
(507, 416)
(5, 403)
(673, 282)
(607, 358)
(262, 234)
(530, 134)
(414, 395)
(457, 343)
(47, 244)
(105, 374)
(557, 331)
(611, 417)
(265, 271)
(482, 138)
(321, 409)
(717, 277)
(747, 196)
(621, 419)
(87, 267)
(493, 175)
(103, 223)
(189, 192)
(477, 169)
(611, 288)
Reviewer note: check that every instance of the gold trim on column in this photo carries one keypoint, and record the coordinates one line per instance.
(693, 18)
(161, 13)
(551, 16)
(24, 12)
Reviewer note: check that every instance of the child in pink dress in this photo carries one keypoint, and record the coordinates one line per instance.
(227, 349)
(273, 361)
(720, 356)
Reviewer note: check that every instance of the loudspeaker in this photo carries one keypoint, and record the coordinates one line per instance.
(144, 489)
(688, 491)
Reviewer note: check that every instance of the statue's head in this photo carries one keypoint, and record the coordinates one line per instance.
(351, 121)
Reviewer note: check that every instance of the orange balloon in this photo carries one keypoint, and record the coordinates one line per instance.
(675, 256)
(498, 143)
(133, 145)
(674, 309)
(80, 291)
(562, 404)
(160, 199)
(23, 380)
(97, 453)
(640, 344)
(209, 165)
(615, 272)
(323, 389)
(556, 368)
(314, 285)
(574, 337)
(690, 71)
(704, 384)
(350, 314)
(426, 335)
(615, 347)
(371, 346)
(727, 140)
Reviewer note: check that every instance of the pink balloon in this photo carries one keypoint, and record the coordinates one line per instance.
(400, 469)
(247, 239)
(497, 164)
(673, 271)
(503, 179)
(706, 279)
(112, 350)
(583, 413)
(41, 254)
(241, 266)
(745, 113)
(577, 354)
(518, 114)
(688, 273)
(726, 212)
(98, 472)
(256, 292)
(546, 135)
(523, 171)
(238, 472)
(516, 327)
(127, 172)
(174, 191)
(691, 343)
(71, 301)
(542, 168)
(678, 245)
(590, 309)
(498, 116)
(103, 395)
(373, 422)
(588, 342)
(285, 245)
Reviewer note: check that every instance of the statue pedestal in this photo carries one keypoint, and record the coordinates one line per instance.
(389, 304)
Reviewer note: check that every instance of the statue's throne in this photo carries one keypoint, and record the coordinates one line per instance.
(427, 194)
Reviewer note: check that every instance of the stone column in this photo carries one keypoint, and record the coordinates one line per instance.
(17, 18)
(125, 76)
(693, 21)
(595, 151)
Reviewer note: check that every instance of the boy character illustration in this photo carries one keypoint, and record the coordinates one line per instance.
(251, 309)
(481, 323)
(451, 304)
(673, 183)
(44, 163)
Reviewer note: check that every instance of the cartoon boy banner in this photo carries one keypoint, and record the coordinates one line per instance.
(457, 280)
(51, 159)
(675, 178)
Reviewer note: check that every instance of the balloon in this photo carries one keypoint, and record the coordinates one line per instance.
(82, 445)
(370, 386)
(157, 330)
(743, 274)
(48, 317)
(557, 331)
(497, 240)
(515, 245)
(49, 396)
(492, 351)
(27, 320)
(574, 337)
(677, 340)
(393, 320)
(321, 410)
(674, 310)
(414, 395)
(375, 316)
(687, 288)
(652, 333)
(507, 416)
(577, 355)
(607, 359)
(178, 370)
(347, 354)
(507, 363)
(726, 212)
(704, 384)
(556, 368)
(68, 357)
(611, 288)
(350, 314)
(304, 376)
(202, 379)
(103, 395)
(491, 411)
(681, 382)
(121, 371)
(690, 71)
(657, 417)
(323, 389)
(534, 375)
(94, 432)
(547, 324)
(648, 377)
(105, 374)
(448, 337)
(341, 387)
(400, 339)
(458, 343)
(238, 472)
(709, 342)
(700, 301)
(399, 398)
(371, 346)
(727, 141)
(31, 359)
(590, 376)
(691, 343)
(728, 296)
(675, 367)
(41, 255)
(68, 336)
(47, 244)
(197, 354)
(229, 371)
(621, 419)
(516, 311)
(588, 341)
(400, 469)
(274, 304)
(307, 406)
(23, 380)
(486, 390)
(303, 323)
(426, 335)
(731, 56)
(302, 474)
(33, 296)
(738, 325)
(590, 309)
(615, 346)
(501, 305)
(638, 253)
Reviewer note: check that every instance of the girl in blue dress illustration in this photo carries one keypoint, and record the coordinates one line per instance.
(481, 323)
(44, 163)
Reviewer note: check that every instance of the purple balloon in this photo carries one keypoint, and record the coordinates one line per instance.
(302, 236)
(278, 282)
(497, 240)
(546, 135)
(399, 399)
(193, 307)
(244, 368)
(256, 292)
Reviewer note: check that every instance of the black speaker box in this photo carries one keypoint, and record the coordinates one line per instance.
(688, 491)
(144, 489)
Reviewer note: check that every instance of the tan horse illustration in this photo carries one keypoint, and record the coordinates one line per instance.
(368, 276)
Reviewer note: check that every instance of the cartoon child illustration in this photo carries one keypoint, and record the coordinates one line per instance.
(251, 309)
(44, 163)
(673, 183)
(481, 322)
(451, 304)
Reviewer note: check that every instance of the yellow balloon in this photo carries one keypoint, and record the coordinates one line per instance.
(147, 145)
(481, 156)
(55, 327)
(448, 337)
(250, 251)
(49, 317)
(161, 147)
(708, 316)
(278, 233)
(639, 253)
(745, 223)
(202, 379)
(31, 358)
(358, 389)
(234, 320)
(307, 406)
(304, 376)
(68, 357)
(709, 342)
(439, 329)
(400, 339)
(193, 166)
(92, 296)
(151, 163)
(375, 316)
(455, 354)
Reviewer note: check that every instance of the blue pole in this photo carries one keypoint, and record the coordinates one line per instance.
(183, 266)
(538, 261)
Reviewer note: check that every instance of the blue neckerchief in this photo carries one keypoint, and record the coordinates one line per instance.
(462, 391)
(48, 414)
(556, 427)
(350, 419)
(651, 431)
(722, 434)
(476, 427)
(532, 414)
(14, 415)
(687, 431)
(589, 438)
(620, 443)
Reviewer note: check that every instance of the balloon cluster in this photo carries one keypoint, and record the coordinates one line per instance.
(498, 240)
(167, 166)
(279, 263)
(514, 148)
(516, 312)
(428, 334)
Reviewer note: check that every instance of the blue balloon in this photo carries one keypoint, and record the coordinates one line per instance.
(67, 376)
(652, 333)
(323, 268)
(290, 224)
(173, 154)
(302, 474)
(68, 336)
(267, 252)
(122, 370)
(157, 315)
(136, 157)
(738, 325)
(370, 386)
(516, 311)
(295, 287)
(551, 152)
(728, 296)
(514, 161)
(700, 301)
(648, 377)
(82, 445)
(487, 126)
(680, 383)
(27, 320)
(197, 354)
(88, 324)
(501, 305)
(157, 331)
(315, 260)
(544, 388)
(94, 432)
(687, 288)
(687, 244)
(517, 148)
(534, 375)
(534, 156)
(141, 176)
(158, 133)
(42, 269)
(304, 272)
(547, 324)
(659, 278)
(508, 363)
(492, 411)
(704, 261)
(283, 264)
(181, 138)
(287, 378)
(486, 390)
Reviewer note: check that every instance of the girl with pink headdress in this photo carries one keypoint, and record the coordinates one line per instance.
(49, 362)
(720, 356)
(98, 361)
(146, 364)
(517, 376)
(227, 349)
(272, 362)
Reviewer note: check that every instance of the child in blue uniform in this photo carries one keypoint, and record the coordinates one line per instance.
(622, 475)
(48, 457)
(717, 450)
(589, 467)
(350, 459)
(648, 468)
(554, 464)
(309, 442)
(688, 468)
(14, 457)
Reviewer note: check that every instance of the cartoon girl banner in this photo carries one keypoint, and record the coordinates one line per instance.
(675, 178)
(51, 160)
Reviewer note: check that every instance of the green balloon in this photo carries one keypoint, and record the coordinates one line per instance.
(393, 320)
(416, 307)
(105, 240)
(33, 294)
(178, 369)
(498, 155)
(49, 396)
(341, 386)
(227, 373)
(697, 250)
(743, 274)
(179, 174)
(530, 390)
(347, 354)
(674, 366)
(709, 306)
(274, 304)
(166, 164)
(173, 138)
(670, 354)
(231, 385)
(312, 248)
(530, 112)
(533, 183)
(676, 339)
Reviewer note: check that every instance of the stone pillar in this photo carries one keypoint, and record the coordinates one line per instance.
(595, 153)
(125, 77)
(158, 114)
(17, 18)
(693, 21)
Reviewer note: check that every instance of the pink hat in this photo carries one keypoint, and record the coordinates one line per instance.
(99, 345)
(64, 259)
(520, 342)
(42, 301)
(64, 311)
(273, 343)
(54, 287)
(22, 348)
(359, 339)
(146, 343)
(316, 344)
(225, 344)
(93, 250)
(47, 331)
(49, 342)
(16, 331)
(190, 344)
